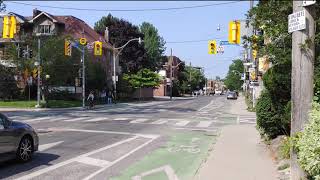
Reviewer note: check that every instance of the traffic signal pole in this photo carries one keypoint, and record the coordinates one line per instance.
(39, 77)
(83, 79)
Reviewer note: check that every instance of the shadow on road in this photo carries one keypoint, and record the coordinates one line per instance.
(12, 167)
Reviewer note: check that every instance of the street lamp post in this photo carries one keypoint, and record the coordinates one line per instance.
(115, 56)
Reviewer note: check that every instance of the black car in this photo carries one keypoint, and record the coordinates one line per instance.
(17, 140)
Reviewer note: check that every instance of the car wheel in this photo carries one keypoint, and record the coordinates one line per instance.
(25, 149)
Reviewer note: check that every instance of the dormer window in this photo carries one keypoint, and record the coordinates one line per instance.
(44, 29)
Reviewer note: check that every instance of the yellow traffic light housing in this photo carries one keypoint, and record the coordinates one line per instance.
(67, 48)
(234, 32)
(97, 48)
(9, 27)
(212, 47)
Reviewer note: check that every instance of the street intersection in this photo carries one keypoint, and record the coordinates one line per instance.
(149, 140)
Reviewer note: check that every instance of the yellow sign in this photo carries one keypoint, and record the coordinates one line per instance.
(9, 27)
(254, 54)
(234, 32)
(264, 64)
(97, 48)
(252, 73)
(67, 48)
(83, 41)
(212, 47)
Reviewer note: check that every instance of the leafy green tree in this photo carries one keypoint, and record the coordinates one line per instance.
(142, 79)
(154, 45)
(8, 84)
(233, 79)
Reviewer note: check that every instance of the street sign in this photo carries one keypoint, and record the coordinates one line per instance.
(220, 49)
(223, 43)
(297, 21)
(83, 41)
(308, 3)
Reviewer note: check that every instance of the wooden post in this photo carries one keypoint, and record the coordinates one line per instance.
(302, 79)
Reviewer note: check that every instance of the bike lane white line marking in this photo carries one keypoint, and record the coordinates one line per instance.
(53, 167)
(208, 105)
(119, 159)
(77, 119)
(44, 147)
(93, 161)
(96, 119)
(182, 123)
(204, 124)
(38, 119)
(120, 119)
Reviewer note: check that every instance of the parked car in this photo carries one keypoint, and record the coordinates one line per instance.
(232, 95)
(17, 140)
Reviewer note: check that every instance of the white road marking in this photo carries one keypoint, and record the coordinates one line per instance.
(96, 119)
(182, 123)
(44, 147)
(208, 105)
(93, 161)
(197, 129)
(58, 119)
(140, 120)
(204, 124)
(238, 120)
(53, 167)
(167, 169)
(77, 119)
(38, 119)
(119, 159)
(120, 119)
(160, 121)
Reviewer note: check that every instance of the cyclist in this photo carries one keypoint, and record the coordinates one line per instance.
(91, 99)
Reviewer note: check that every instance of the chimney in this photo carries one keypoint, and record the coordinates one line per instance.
(36, 12)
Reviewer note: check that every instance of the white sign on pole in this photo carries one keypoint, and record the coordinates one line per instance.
(297, 21)
(308, 3)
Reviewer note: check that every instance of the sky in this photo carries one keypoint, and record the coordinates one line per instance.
(175, 25)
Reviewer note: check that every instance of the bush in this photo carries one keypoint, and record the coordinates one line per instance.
(308, 145)
(272, 118)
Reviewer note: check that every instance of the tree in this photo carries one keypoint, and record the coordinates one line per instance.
(8, 84)
(233, 79)
(142, 79)
(133, 57)
(154, 45)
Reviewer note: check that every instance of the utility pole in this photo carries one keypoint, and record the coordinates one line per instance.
(302, 79)
(114, 73)
(39, 77)
(171, 83)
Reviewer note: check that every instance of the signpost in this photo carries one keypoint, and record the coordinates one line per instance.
(297, 21)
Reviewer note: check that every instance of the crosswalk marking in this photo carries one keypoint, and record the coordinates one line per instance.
(141, 120)
(93, 161)
(204, 124)
(160, 121)
(182, 123)
(38, 119)
(96, 119)
(120, 119)
(44, 147)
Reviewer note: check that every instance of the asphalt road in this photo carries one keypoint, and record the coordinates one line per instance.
(152, 140)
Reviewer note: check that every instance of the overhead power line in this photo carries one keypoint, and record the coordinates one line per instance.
(125, 10)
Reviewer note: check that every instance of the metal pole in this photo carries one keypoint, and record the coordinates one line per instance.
(171, 83)
(302, 79)
(83, 79)
(39, 68)
(114, 74)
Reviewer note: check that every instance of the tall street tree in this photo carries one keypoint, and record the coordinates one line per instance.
(233, 79)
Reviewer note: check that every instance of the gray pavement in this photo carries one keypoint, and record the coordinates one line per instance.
(103, 142)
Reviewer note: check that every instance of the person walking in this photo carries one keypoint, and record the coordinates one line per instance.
(109, 96)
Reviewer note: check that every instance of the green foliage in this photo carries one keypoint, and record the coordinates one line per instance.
(143, 78)
(308, 145)
(233, 80)
(8, 85)
(154, 45)
(284, 149)
(272, 117)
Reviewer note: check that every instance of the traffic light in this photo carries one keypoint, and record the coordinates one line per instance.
(97, 48)
(234, 32)
(254, 46)
(30, 54)
(9, 27)
(67, 48)
(212, 47)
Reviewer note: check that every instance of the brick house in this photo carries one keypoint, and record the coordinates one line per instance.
(45, 24)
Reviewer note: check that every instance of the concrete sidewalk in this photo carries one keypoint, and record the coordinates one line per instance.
(238, 154)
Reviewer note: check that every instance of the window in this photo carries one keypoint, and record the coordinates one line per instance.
(44, 29)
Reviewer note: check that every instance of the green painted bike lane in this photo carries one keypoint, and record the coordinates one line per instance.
(181, 157)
